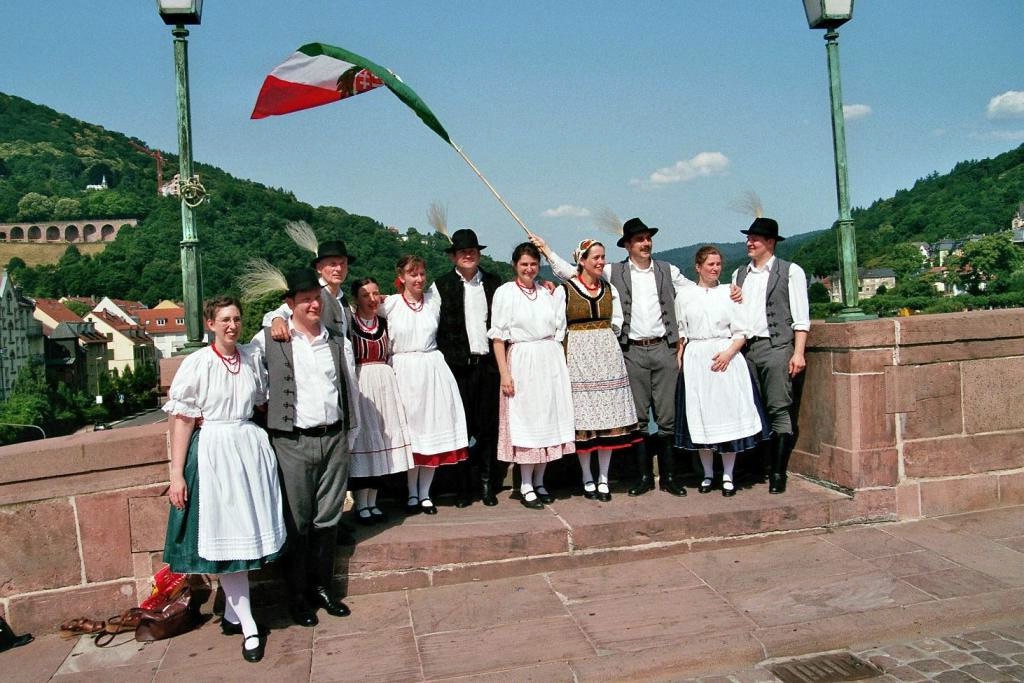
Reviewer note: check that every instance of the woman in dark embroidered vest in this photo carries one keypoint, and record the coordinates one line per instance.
(605, 414)
(433, 407)
(382, 446)
(242, 524)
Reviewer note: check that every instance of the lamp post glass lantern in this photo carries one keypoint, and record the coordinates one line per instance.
(830, 14)
(179, 13)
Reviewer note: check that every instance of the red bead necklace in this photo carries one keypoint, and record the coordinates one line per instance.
(365, 326)
(529, 292)
(233, 364)
(415, 308)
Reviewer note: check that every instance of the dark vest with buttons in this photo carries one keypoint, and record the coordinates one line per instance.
(281, 379)
(666, 298)
(776, 302)
(452, 340)
(335, 317)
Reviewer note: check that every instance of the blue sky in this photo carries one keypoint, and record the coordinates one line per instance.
(664, 110)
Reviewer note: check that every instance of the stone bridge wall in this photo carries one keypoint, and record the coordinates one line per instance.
(920, 415)
(81, 231)
(913, 417)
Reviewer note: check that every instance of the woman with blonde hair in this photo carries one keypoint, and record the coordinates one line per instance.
(433, 406)
(605, 414)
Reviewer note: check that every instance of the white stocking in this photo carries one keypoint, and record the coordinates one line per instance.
(236, 594)
(412, 477)
(426, 477)
(371, 498)
(361, 496)
(526, 477)
(707, 459)
(728, 461)
(538, 474)
(588, 477)
(604, 463)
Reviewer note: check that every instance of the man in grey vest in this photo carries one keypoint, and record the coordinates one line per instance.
(775, 292)
(647, 291)
(308, 422)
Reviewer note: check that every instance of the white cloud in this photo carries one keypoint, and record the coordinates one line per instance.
(566, 211)
(703, 164)
(1009, 105)
(853, 112)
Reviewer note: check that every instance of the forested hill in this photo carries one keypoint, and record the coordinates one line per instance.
(50, 158)
(975, 198)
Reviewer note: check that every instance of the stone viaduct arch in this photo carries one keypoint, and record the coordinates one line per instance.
(71, 232)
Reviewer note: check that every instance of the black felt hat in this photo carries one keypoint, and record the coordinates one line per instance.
(301, 280)
(764, 227)
(632, 227)
(332, 248)
(464, 238)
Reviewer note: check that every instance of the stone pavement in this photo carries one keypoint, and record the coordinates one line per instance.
(936, 599)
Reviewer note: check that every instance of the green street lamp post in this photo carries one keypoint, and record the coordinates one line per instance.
(830, 15)
(179, 13)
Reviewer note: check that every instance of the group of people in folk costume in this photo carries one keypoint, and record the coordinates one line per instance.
(354, 388)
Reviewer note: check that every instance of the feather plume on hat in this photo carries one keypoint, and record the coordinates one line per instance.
(260, 280)
(303, 236)
(748, 204)
(437, 217)
(608, 221)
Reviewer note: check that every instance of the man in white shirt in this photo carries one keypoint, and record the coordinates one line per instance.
(775, 291)
(308, 422)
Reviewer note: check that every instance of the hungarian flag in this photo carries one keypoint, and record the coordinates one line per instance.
(318, 74)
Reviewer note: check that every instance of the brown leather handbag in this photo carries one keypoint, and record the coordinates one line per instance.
(172, 619)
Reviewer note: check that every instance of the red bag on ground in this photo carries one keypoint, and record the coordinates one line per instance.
(167, 586)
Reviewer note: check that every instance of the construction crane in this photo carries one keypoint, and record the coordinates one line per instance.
(159, 165)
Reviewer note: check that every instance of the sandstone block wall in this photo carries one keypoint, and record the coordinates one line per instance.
(925, 410)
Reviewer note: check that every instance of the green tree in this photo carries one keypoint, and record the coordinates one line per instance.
(989, 259)
(67, 208)
(817, 293)
(35, 207)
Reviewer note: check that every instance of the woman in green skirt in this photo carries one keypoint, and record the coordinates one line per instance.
(226, 515)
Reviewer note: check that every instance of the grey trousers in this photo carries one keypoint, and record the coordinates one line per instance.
(771, 368)
(652, 378)
(314, 476)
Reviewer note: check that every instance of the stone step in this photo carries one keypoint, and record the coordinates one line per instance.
(481, 543)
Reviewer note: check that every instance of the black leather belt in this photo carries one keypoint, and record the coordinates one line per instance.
(319, 430)
(477, 358)
(646, 342)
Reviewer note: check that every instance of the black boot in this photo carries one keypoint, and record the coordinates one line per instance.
(779, 449)
(296, 575)
(9, 640)
(322, 546)
(645, 469)
(464, 484)
(668, 479)
(488, 491)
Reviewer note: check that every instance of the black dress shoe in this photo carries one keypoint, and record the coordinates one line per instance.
(428, 507)
(728, 489)
(364, 517)
(378, 515)
(603, 493)
(670, 486)
(255, 654)
(322, 598)
(412, 506)
(777, 483)
(589, 490)
(463, 502)
(302, 614)
(705, 485)
(531, 500)
(642, 486)
(487, 496)
(544, 496)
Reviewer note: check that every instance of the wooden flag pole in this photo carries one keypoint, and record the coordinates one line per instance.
(491, 188)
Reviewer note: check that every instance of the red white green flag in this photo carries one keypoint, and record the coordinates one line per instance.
(319, 74)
